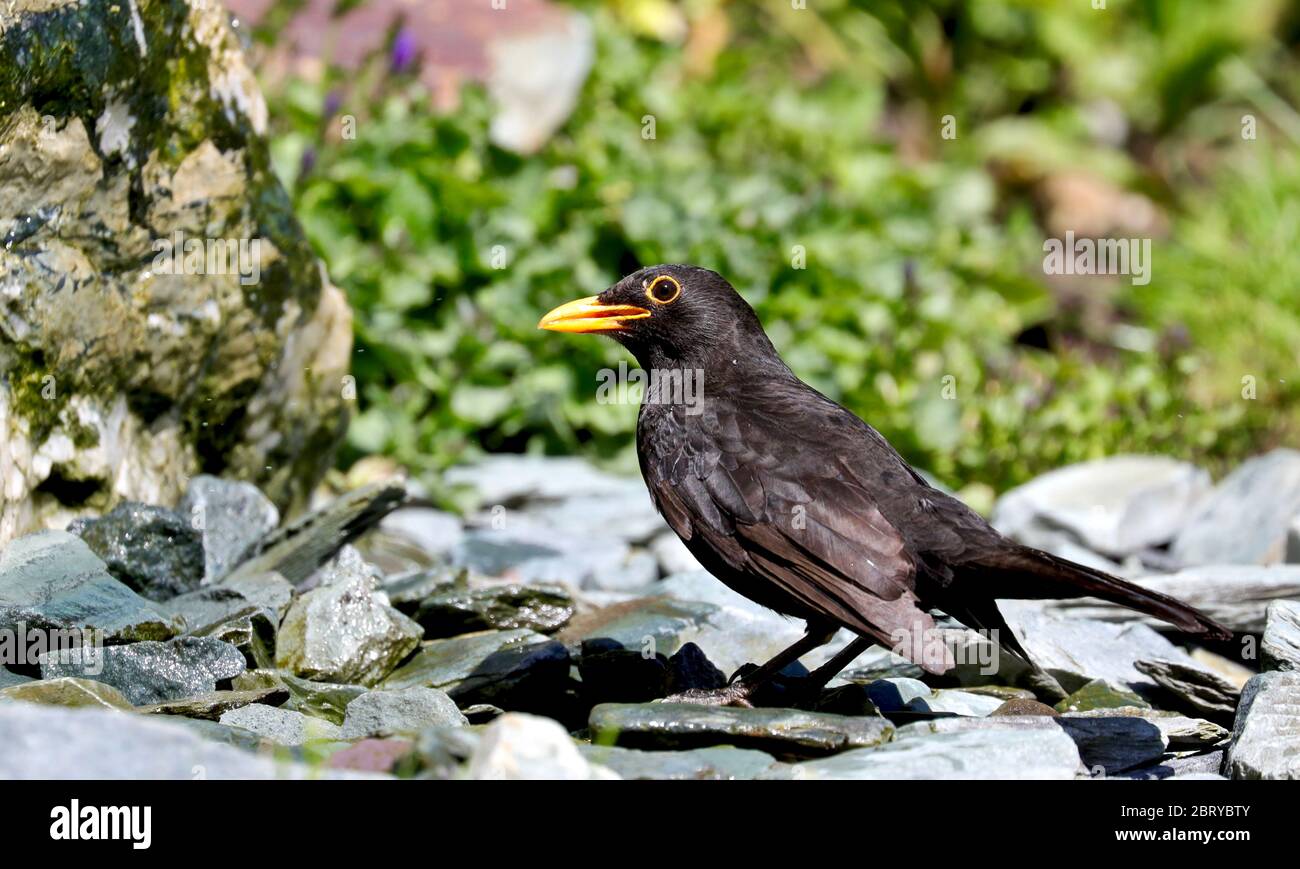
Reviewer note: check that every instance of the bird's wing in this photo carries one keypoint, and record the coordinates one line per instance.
(768, 491)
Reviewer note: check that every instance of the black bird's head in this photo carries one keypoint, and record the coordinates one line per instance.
(669, 315)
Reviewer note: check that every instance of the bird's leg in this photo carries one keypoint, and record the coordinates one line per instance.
(737, 693)
(818, 678)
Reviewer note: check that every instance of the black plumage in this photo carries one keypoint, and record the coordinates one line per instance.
(796, 503)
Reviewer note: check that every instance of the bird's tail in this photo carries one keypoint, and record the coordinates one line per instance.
(1026, 573)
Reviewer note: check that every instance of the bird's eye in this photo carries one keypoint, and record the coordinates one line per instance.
(664, 289)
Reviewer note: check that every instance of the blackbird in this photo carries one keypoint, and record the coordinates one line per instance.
(792, 501)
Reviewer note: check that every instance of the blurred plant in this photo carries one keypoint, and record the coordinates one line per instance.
(779, 131)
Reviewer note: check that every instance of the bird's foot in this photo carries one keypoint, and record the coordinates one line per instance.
(735, 694)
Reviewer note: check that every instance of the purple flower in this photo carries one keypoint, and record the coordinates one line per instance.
(404, 50)
(308, 161)
(333, 102)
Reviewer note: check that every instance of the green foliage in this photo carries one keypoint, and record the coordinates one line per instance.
(919, 267)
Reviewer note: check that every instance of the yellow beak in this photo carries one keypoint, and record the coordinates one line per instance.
(589, 315)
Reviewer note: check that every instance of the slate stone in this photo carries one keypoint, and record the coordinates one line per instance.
(231, 516)
(52, 581)
(1180, 732)
(1235, 595)
(700, 764)
(781, 732)
(281, 726)
(517, 669)
(1117, 506)
(153, 672)
(250, 630)
(325, 700)
(67, 691)
(152, 550)
(345, 631)
(689, 669)
(298, 549)
(9, 677)
(1196, 689)
(49, 742)
(462, 610)
(980, 754)
(213, 705)
(405, 591)
(1245, 519)
(400, 711)
(613, 674)
(1266, 732)
(1104, 745)
(434, 531)
(1280, 648)
(1100, 694)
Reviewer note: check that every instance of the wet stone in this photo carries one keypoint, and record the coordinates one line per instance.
(689, 669)
(461, 610)
(150, 549)
(781, 732)
(345, 631)
(153, 672)
(1100, 694)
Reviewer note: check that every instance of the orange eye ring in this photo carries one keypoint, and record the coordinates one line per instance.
(663, 290)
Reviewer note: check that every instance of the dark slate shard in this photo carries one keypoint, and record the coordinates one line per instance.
(689, 669)
(150, 672)
(618, 675)
(1193, 688)
(52, 581)
(213, 705)
(298, 549)
(152, 550)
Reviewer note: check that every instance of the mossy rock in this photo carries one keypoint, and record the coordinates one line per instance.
(161, 311)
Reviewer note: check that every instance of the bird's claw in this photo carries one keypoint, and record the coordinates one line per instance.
(735, 694)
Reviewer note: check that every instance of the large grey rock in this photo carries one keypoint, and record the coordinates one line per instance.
(121, 375)
(708, 764)
(535, 554)
(345, 631)
(1179, 731)
(1266, 733)
(529, 747)
(1236, 595)
(1201, 765)
(1281, 644)
(152, 550)
(398, 711)
(152, 672)
(281, 726)
(517, 669)
(48, 742)
(298, 549)
(1245, 519)
(1117, 506)
(231, 515)
(52, 580)
(983, 754)
(782, 732)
